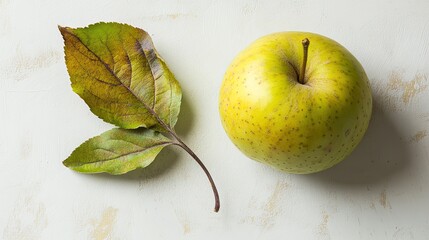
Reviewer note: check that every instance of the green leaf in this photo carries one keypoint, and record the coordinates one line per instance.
(117, 71)
(117, 151)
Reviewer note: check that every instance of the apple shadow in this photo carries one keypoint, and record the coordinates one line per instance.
(381, 155)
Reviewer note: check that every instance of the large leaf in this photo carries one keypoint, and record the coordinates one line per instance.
(117, 151)
(116, 70)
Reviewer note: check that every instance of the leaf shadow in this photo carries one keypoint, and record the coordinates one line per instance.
(186, 118)
(166, 160)
(381, 155)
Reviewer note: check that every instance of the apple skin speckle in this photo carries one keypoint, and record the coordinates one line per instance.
(296, 128)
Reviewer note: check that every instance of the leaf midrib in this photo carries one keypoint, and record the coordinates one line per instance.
(150, 110)
(120, 156)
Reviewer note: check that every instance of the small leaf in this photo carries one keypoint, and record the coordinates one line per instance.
(117, 71)
(117, 151)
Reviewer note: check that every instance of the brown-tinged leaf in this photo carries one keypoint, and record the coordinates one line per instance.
(117, 71)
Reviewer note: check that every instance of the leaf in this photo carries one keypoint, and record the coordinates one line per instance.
(117, 151)
(117, 71)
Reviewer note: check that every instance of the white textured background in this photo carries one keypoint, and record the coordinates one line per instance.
(380, 192)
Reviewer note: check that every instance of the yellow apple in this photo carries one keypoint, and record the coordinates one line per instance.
(297, 101)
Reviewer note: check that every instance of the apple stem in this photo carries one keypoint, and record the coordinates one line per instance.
(305, 44)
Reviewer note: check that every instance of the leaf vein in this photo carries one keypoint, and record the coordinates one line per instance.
(123, 155)
(150, 110)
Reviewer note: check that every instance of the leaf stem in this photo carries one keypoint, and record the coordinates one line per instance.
(190, 152)
(305, 43)
(198, 160)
